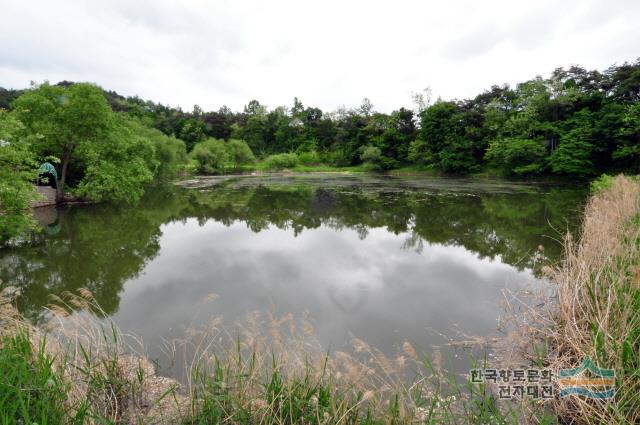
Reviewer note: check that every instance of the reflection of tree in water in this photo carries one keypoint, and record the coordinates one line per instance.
(101, 247)
(97, 247)
(510, 225)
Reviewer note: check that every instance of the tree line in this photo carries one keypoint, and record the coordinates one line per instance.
(105, 146)
(576, 123)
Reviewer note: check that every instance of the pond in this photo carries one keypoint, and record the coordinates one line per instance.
(383, 259)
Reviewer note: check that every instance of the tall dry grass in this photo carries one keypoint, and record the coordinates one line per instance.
(265, 370)
(597, 313)
(103, 379)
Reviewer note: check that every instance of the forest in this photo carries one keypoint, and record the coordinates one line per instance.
(576, 123)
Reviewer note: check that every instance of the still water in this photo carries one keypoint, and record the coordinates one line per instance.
(383, 259)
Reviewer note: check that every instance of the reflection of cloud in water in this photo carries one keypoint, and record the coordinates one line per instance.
(370, 288)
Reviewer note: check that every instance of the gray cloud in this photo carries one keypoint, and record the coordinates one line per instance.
(226, 52)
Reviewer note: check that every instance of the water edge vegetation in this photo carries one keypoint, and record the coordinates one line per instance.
(75, 369)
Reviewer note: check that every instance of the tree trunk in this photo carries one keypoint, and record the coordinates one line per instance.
(63, 175)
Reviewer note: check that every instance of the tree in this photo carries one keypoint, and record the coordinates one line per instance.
(192, 132)
(255, 108)
(119, 168)
(398, 134)
(17, 170)
(366, 108)
(628, 151)
(573, 154)
(239, 153)
(68, 119)
(419, 152)
(372, 157)
(517, 156)
(442, 128)
(210, 156)
(421, 99)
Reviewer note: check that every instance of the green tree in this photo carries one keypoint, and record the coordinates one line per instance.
(442, 128)
(282, 161)
(17, 170)
(573, 156)
(192, 132)
(119, 168)
(239, 153)
(517, 156)
(628, 151)
(210, 156)
(170, 153)
(419, 152)
(372, 157)
(68, 120)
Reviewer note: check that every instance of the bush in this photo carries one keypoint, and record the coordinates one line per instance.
(373, 159)
(239, 153)
(171, 154)
(210, 156)
(309, 158)
(371, 155)
(282, 161)
(601, 183)
(517, 156)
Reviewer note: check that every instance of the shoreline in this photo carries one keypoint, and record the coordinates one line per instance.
(248, 382)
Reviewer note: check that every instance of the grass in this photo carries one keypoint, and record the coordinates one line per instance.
(269, 370)
(597, 313)
(31, 387)
(263, 166)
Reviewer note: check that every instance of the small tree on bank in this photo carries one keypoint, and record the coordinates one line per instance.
(239, 153)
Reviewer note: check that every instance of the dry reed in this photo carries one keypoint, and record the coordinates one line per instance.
(598, 299)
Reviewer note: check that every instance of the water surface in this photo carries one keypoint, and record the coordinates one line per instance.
(383, 259)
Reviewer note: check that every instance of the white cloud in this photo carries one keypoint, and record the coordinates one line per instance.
(327, 53)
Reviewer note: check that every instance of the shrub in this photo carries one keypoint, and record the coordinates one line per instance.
(171, 154)
(210, 156)
(601, 183)
(309, 157)
(282, 161)
(239, 153)
(518, 156)
(373, 159)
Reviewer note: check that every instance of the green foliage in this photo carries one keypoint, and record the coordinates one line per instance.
(442, 130)
(586, 122)
(239, 153)
(66, 120)
(452, 136)
(170, 154)
(628, 151)
(309, 157)
(573, 155)
(371, 156)
(192, 132)
(373, 159)
(31, 389)
(281, 161)
(419, 152)
(210, 156)
(517, 156)
(17, 169)
(601, 183)
(118, 169)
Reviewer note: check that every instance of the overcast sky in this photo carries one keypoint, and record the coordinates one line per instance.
(328, 53)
